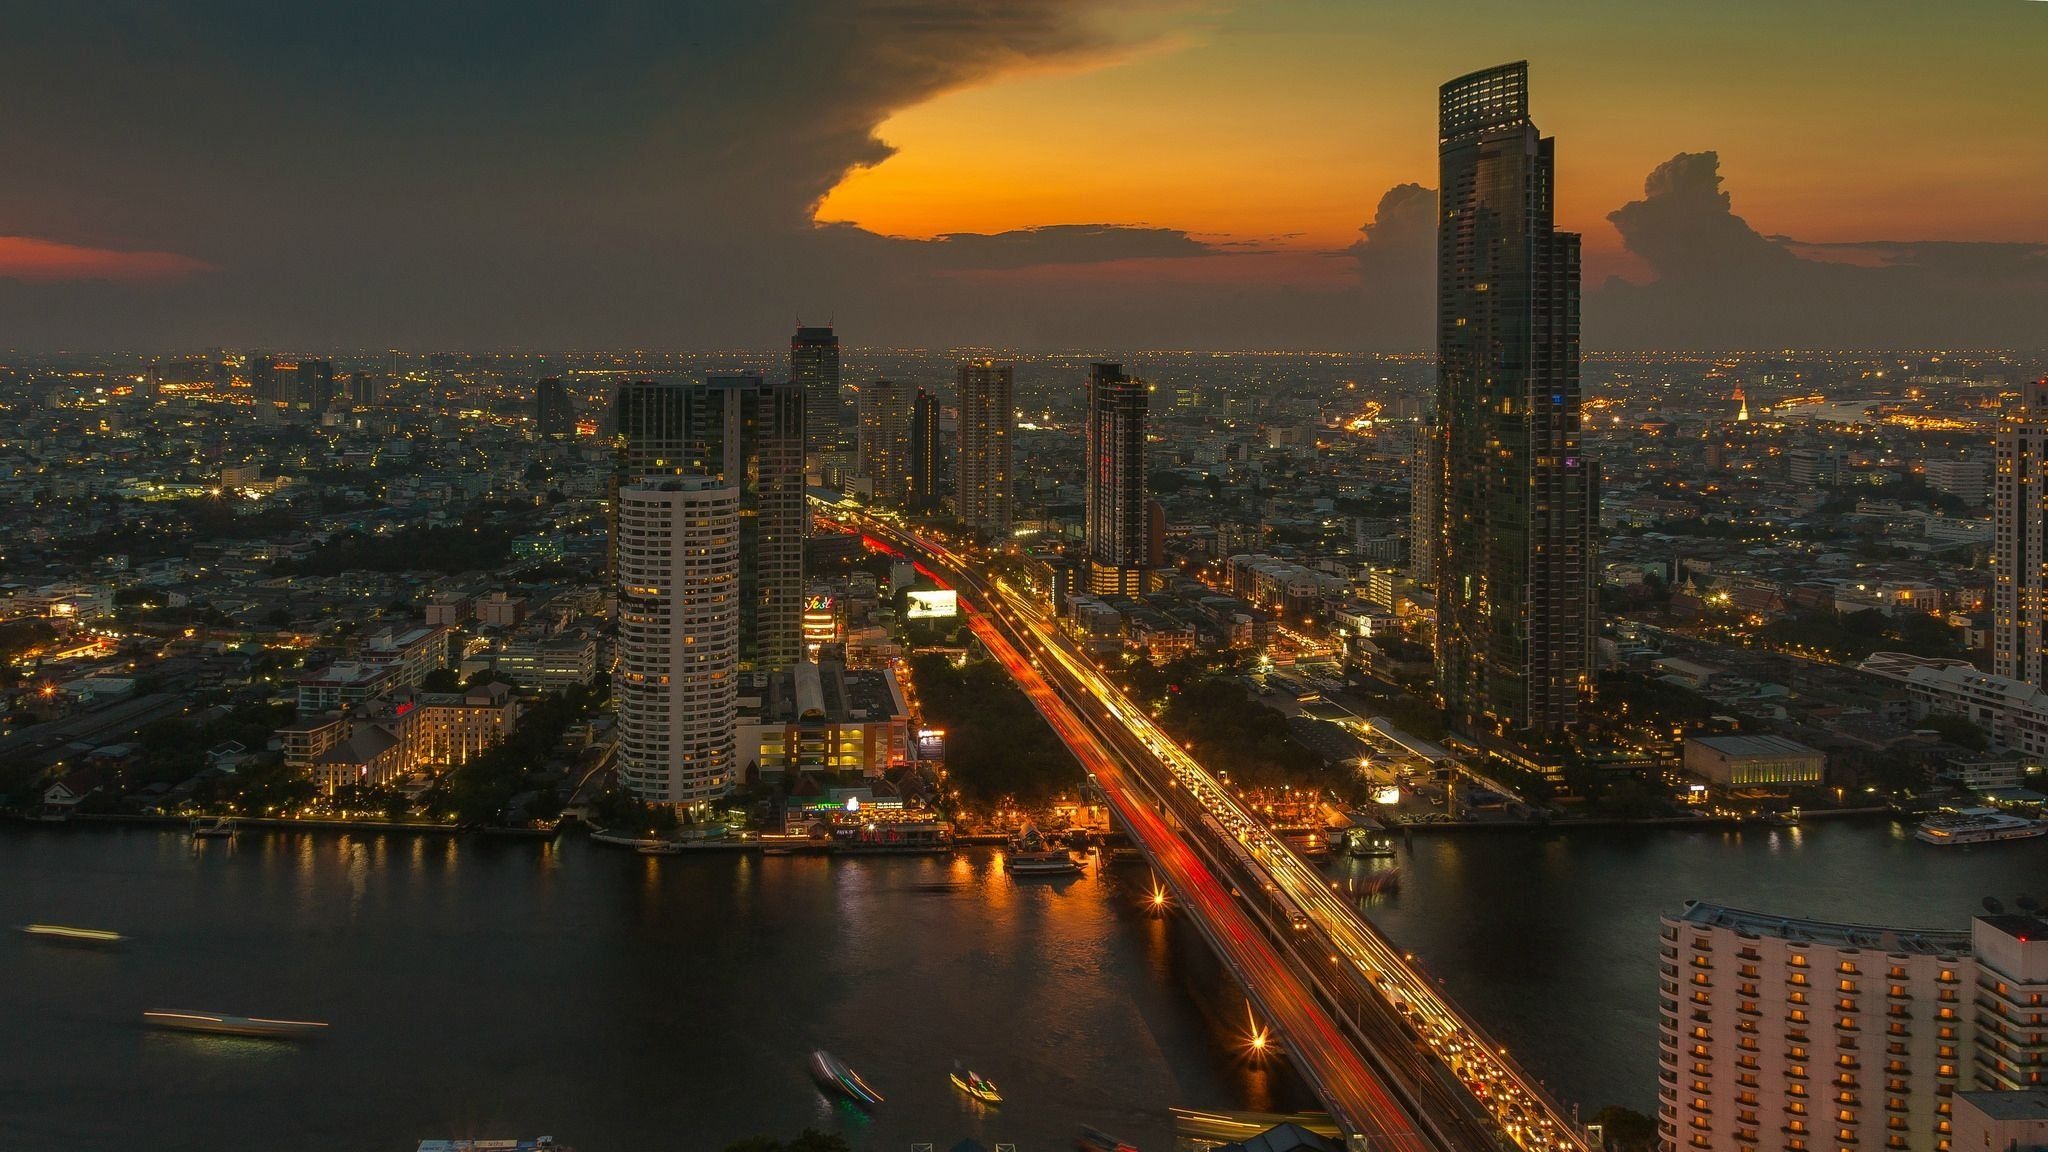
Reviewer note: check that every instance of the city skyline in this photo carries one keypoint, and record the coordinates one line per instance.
(610, 224)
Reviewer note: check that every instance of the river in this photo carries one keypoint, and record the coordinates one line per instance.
(620, 1002)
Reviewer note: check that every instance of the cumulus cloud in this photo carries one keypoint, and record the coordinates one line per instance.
(1718, 283)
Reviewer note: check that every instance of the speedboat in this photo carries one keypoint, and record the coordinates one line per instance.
(975, 1085)
(1096, 1140)
(63, 934)
(219, 1024)
(834, 1076)
(660, 848)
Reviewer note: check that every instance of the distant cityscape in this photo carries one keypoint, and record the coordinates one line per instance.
(1229, 617)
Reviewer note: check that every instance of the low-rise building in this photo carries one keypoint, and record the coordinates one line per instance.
(823, 718)
(1754, 761)
(2002, 1121)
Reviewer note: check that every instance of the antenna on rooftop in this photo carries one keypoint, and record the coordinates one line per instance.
(1992, 906)
(2028, 904)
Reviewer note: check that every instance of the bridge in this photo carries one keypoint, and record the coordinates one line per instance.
(1397, 1064)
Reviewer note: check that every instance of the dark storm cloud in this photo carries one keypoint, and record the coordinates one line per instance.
(1718, 283)
(537, 173)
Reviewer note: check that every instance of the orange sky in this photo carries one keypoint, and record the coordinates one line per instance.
(1282, 123)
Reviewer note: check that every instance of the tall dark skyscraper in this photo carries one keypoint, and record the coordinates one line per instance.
(814, 368)
(554, 414)
(1117, 525)
(988, 431)
(748, 433)
(926, 462)
(1514, 617)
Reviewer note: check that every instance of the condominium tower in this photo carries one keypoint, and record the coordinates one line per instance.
(678, 647)
(1513, 580)
(988, 432)
(1809, 1036)
(2019, 556)
(927, 463)
(747, 432)
(814, 369)
(1116, 527)
(886, 408)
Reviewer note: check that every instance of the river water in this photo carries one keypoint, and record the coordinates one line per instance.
(620, 1002)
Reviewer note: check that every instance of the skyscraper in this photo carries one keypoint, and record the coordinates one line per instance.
(678, 585)
(2019, 556)
(554, 414)
(988, 431)
(749, 433)
(1117, 526)
(814, 368)
(1513, 610)
(926, 462)
(885, 411)
(1425, 494)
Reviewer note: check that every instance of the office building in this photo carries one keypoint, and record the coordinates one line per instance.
(554, 413)
(988, 433)
(1117, 524)
(1425, 492)
(743, 430)
(1514, 610)
(814, 369)
(2019, 552)
(1967, 480)
(1806, 1035)
(678, 644)
(926, 462)
(885, 414)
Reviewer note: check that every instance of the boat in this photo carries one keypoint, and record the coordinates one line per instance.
(834, 1076)
(221, 829)
(1789, 818)
(1954, 826)
(1096, 1140)
(1126, 855)
(221, 1024)
(659, 848)
(1368, 837)
(975, 1085)
(1031, 855)
(63, 934)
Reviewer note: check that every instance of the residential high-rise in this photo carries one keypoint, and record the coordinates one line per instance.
(554, 413)
(747, 432)
(1116, 516)
(814, 368)
(678, 648)
(1425, 495)
(988, 433)
(1513, 608)
(885, 412)
(2019, 553)
(926, 462)
(1810, 1036)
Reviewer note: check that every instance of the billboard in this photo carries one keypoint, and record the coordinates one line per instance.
(933, 603)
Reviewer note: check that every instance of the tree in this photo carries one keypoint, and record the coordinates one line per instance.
(1626, 1130)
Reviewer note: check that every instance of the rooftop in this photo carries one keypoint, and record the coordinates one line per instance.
(1754, 746)
(1826, 932)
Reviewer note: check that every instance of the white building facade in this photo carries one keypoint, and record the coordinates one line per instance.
(1809, 1036)
(678, 646)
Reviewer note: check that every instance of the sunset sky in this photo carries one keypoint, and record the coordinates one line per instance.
(671, 175)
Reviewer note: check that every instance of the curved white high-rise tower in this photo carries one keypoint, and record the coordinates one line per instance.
(678, 549)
